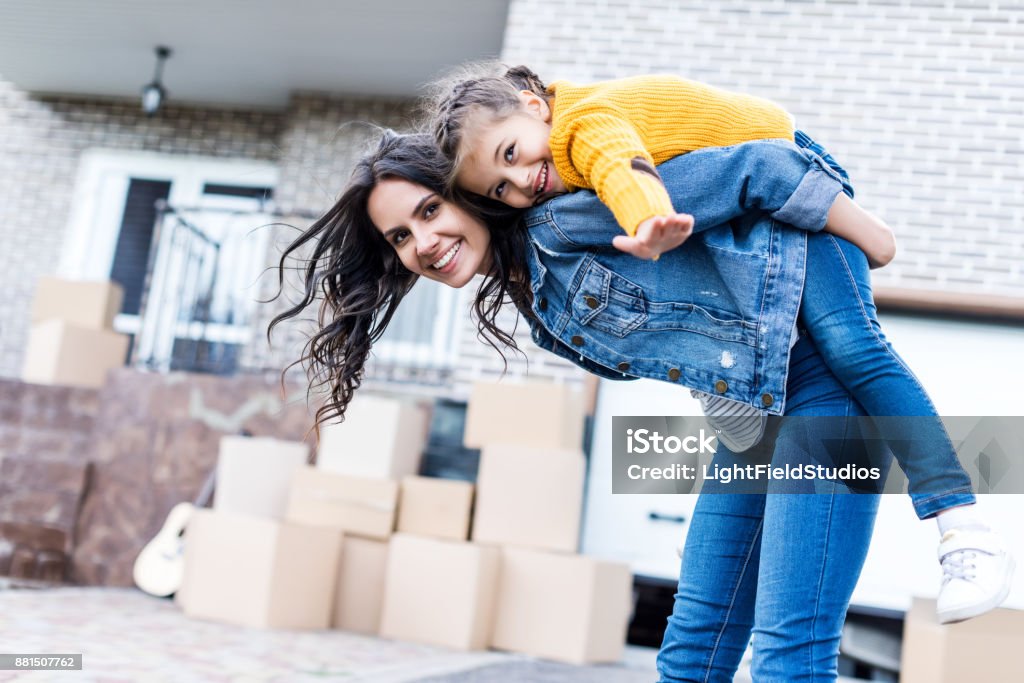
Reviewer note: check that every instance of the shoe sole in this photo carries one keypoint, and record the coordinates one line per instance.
(953, 616)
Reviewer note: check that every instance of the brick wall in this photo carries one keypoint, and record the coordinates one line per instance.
(41, 143)
(921, 100)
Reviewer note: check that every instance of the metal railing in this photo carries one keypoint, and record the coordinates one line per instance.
(195, 313)
(199, 308)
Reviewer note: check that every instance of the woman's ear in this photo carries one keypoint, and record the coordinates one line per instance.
(535, 105)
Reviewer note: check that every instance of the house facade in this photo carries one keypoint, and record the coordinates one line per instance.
(923, 102)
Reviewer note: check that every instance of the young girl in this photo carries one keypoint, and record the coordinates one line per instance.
(511, 139)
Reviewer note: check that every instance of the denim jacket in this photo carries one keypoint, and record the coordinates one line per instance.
(717, 313)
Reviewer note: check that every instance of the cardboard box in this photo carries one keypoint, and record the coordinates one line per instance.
(64, 353)
(985, 648)
(532, 414)
(380, 437)
(435, 507)
(570, 608)
(440, 592)
(359, 593)
(355, 505)
(254, 474)
(531, 497)
(92, 305)
(253, 571)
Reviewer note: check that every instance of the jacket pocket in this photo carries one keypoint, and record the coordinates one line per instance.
(608, 302)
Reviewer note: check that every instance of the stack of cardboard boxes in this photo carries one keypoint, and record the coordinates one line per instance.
(550, 602)
(354, 489)
(245, 562)
(360, 543)
(72, 341)
(290, 545)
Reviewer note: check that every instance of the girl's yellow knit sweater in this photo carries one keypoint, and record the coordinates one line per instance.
(608, 136)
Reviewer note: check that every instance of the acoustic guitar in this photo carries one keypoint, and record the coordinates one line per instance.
(159, 568)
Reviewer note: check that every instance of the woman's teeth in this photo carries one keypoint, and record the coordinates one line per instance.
(448, 256)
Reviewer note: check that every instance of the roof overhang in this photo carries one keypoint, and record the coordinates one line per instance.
(242, 52)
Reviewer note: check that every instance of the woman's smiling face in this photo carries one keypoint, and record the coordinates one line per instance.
(432, 236)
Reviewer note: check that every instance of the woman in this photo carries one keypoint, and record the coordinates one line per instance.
(780, 566)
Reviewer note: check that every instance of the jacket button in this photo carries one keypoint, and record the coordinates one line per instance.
(767, 400)
(577, 340)
(623, 367)
(673, 374)
(721, 386)
(591, 301)
(542, 304)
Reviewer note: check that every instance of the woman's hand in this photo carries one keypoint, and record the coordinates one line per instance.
(656, 235)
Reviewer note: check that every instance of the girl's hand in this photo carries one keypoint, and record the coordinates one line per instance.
(656, 235)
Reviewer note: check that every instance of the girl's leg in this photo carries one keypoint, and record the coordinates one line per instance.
(839, 314)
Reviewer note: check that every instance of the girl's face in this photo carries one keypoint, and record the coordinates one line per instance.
(510, 160)
(433, 237)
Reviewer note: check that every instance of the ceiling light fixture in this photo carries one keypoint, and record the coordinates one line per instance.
(153, 95)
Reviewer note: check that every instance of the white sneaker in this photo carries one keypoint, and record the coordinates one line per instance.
(976, 574)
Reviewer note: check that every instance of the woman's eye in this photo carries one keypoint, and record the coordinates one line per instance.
(509, 151)
(399, 237)
(431, 209)
(499, 190)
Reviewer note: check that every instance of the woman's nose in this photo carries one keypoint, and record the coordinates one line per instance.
(426, 242)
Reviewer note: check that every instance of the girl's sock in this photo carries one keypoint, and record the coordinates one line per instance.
(962, 517)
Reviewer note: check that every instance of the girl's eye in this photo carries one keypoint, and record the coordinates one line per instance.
(499, 190)
(509, 151)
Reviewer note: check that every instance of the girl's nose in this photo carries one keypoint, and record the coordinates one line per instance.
(525, 182)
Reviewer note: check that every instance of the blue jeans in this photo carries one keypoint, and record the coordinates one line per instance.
(840, 316)
(780, 566)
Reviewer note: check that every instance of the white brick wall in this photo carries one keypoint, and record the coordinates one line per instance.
(480, 362)
(41, 143)
(921, 101)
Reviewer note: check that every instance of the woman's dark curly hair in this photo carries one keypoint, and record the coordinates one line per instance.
(360, 280)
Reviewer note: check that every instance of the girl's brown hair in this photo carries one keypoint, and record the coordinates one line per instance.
(481, 92)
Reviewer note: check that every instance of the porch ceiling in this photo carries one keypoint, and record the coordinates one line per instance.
(242, 52)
